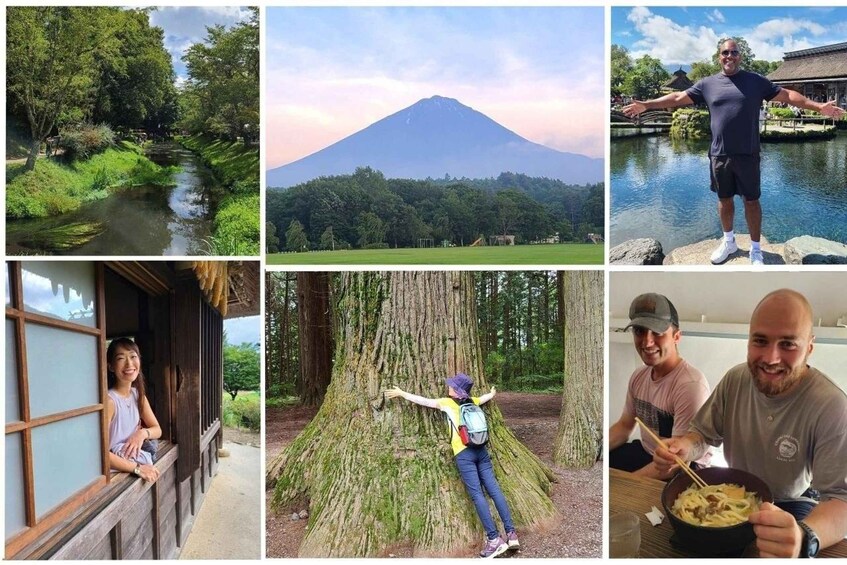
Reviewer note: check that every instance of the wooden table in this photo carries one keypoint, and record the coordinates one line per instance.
(629, 493)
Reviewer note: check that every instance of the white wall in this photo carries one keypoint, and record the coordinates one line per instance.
(727, 302)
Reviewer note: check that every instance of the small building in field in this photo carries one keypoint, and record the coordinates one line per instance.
(819, 73)
(62, 499)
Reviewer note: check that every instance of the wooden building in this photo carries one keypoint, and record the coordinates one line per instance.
(680, 81)
(62, 500)
(819, 73)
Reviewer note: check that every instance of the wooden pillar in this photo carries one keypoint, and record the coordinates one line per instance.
(186, 349)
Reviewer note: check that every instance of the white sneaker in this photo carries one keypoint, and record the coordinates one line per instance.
(756, 257)
(723, 252)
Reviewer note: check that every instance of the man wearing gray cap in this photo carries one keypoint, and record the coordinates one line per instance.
(665, 393)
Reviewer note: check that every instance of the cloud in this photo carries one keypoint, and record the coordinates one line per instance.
(543, 81)
(672, 43)
(771, 39)
(715, 16)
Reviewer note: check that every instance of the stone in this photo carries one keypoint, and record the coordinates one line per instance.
(303, 514)
(295, 517)
(700, 253)
(809, 250)
(643, 251)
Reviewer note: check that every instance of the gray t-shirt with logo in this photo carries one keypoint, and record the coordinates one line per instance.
(790, 442)
(734, 103)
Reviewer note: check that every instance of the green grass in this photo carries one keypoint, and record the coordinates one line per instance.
(231, 161)
(237, 226)
(54, 188)
(554, 254)
(276, 401)
(244, 411)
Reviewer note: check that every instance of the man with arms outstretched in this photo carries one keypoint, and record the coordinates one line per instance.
(734, 97)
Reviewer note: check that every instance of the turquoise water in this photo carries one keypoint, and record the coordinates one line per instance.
(660, 189)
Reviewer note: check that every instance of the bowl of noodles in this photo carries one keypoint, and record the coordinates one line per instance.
(713, 521)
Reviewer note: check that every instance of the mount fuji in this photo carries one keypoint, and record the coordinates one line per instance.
(438, 136)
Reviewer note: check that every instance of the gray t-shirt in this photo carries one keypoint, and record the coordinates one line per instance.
(734, 103)
(790, 442)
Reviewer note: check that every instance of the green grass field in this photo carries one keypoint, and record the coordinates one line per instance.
(558, 254)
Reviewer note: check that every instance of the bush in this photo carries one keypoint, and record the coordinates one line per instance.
(243, 412)
(237, 225)
(84, 140)
(537, 383)
(690, 124)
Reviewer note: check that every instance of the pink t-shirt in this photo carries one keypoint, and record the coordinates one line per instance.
(668, 405)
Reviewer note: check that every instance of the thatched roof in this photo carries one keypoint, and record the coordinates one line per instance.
(232, 287)
(819, 63)
(680, 81)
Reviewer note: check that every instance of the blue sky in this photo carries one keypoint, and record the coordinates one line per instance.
(334, 71)
(242, 330)
(184, 26)
(680, 36)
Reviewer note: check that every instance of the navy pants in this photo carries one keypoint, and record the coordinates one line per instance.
(474, 465)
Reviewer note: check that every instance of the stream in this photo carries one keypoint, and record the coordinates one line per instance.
(142, 220)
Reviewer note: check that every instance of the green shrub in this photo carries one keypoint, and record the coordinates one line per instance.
(782, 113)
(84, 140)
(690, 124)
(237, 225)
(243, 412)
(537, 383)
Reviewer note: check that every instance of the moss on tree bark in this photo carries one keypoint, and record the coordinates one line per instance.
(377, 473)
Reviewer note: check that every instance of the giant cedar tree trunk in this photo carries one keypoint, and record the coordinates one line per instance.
(380, 473)
(580, 426)
(315, 336)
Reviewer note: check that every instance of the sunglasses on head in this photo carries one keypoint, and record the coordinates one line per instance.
(728, 52)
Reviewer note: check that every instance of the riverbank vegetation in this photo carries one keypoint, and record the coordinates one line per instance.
(55, 187)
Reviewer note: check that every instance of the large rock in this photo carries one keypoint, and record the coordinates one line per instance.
(700, 253)
(644, 251)
(809, 250)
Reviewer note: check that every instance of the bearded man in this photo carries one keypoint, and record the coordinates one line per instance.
(785, 422)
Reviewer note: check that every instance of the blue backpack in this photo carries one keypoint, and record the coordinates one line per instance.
(472, 428)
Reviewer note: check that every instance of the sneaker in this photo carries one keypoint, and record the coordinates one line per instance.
(723, 252)
(512, 540)
(493, 548)
(756, 257)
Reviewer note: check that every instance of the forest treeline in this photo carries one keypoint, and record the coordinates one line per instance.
(366, 210)
(520, 321)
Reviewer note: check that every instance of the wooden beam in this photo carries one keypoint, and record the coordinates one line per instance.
(98, 526)
(44, 420)
(60, 324)
(147, 275)
(100, 285)
(187, 360)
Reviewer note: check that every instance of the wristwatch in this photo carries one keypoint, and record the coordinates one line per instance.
(811, 545)
(137, 471)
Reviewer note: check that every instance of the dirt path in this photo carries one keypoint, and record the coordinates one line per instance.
(534, 418)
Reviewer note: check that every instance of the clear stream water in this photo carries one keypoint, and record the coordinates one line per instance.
(142, 220)
(660, 189)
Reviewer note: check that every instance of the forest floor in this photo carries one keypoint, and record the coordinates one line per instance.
(534, 418)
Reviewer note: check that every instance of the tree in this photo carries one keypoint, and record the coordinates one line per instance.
(703, 69)
(580, 426)
(50, 62)
(646, 78)
(271, 240)
(371, 230)
(221, 95)
(295, 237)
(377, 473)
(313, 304)
(747, 55)
(241, 368)
(621, 67)
(327, 239)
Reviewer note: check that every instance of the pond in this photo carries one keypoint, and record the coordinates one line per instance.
(138, 221)
(660, 189)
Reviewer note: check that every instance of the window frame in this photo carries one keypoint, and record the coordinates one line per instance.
(16, 313)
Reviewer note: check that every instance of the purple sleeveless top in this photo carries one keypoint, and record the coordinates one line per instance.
(124, 423)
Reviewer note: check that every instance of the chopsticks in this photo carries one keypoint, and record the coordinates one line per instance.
(694, 476)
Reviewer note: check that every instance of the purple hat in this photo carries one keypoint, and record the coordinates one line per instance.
(462, 384)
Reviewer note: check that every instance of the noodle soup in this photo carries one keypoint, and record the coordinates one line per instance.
(715, 506)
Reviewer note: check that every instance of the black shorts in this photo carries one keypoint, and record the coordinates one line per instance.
(736, 174)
